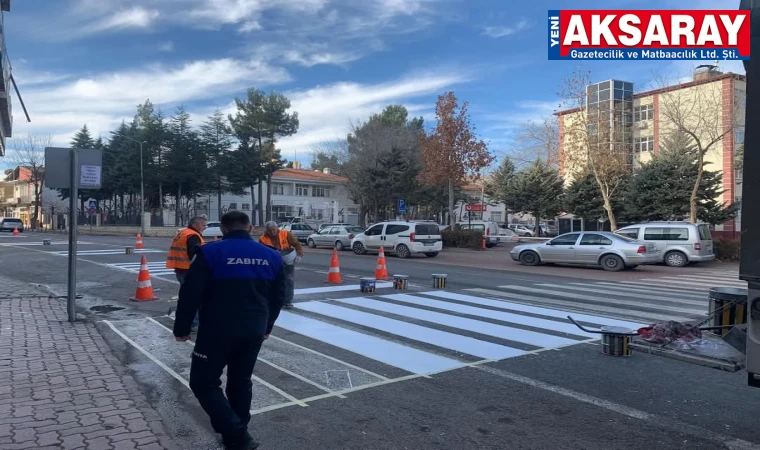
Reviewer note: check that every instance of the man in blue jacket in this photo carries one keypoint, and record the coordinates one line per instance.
(238, 285)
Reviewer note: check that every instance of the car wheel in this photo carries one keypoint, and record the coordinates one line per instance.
(676, 259)
(431, 254)
(339, 246)
(402, 251)
(529, 258)
(312, 244)
(359, 248)
(490, 245)
(612, 263)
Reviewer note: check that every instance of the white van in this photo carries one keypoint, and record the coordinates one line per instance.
(400, 237)
(679, 243)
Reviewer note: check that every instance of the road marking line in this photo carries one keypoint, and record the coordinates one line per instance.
(728, 441)
(300, 377)
(350, 287)
(610, 290)
(148, 354)
(543, 311)
(431, 336)
(331, 358)
(649, 290)
(254, 377)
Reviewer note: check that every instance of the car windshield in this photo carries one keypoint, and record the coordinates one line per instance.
(12, 220)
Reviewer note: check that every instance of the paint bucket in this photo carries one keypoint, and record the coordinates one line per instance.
(129, 250)
(615, 342)
(367, 285)
(400, 281)
(439, 280)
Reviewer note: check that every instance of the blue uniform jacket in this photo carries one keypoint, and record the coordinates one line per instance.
(238, 285)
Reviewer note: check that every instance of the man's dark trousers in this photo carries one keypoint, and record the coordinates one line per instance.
(181, 278)
(229, 415)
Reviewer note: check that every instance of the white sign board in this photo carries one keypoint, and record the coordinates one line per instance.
(89, 176)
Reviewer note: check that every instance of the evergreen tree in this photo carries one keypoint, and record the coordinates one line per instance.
(216, 139)
(536, 190)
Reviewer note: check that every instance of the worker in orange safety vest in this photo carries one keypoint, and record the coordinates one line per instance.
(183, 247)
(283, 240)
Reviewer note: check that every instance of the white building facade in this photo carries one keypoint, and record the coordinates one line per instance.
(311, 195)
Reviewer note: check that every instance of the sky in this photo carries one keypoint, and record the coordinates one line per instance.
(92, 62)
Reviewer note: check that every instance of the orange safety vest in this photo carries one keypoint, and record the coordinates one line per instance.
(178, 258)
(265, 239)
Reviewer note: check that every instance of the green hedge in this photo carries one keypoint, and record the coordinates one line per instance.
(726, 249)
(462, 239)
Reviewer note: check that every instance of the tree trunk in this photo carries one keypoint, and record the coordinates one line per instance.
(610, 214)
(178, 207)
(261, 203)
(269, 196)
(219, 204)
(161, 199)
(695, 189)
(253, 202)
(452, 218)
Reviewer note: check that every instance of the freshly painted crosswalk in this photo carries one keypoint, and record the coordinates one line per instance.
(155, 268)
(697, 281)
(108, 251)
(39, 243)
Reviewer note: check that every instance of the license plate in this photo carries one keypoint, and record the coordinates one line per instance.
(428, 244)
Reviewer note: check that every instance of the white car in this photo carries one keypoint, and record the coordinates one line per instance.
(400, 237)
(213, 230)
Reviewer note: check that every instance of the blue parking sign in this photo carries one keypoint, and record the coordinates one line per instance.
(401, 205)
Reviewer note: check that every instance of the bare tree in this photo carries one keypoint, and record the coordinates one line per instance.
(696, 111)
(29, 153)
(592, 141)
(537, 140)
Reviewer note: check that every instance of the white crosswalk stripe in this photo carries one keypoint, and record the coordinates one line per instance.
(110, 251)
(702, 280)
(155, 268)
(32, 244)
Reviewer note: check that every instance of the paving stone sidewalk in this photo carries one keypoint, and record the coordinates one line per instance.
(61, 387)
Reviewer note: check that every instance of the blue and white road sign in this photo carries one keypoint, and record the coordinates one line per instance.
(401, 205)
(92, 205)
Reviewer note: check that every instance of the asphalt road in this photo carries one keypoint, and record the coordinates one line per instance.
(489, 362)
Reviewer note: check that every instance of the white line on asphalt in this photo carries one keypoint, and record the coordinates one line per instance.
(443, 339)
(545, 324)
(542, 311)
(730, 442)
(599, 299)
(148, 354)
(350, 287)
(639, 296)
(663, 287)
(614, 312)
(457, 322)
(651, 290)
(254, 377)
(700, 282)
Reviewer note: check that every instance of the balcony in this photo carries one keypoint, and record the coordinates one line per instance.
(25, 199)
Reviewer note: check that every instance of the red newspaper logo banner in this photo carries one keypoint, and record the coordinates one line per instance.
(654, 29)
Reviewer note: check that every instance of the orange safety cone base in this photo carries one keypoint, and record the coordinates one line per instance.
(144, 291)
(143, 299)
(139, 243)
(381, 271)
(333, 273)
(15, 231)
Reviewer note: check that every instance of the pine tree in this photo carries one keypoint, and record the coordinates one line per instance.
(537, 190)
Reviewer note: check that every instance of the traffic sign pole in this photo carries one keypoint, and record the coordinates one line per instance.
(73, 219)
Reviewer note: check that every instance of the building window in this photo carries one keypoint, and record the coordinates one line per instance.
(232, 206)
(739, 137)
(740, 100)
(642, 113)
(738, 176)
(278, 189)
(317, 191)
(246, 207)
(496, 216)
(302, 190)
(643, 144)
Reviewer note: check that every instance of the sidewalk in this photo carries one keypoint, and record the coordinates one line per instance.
(61, 387)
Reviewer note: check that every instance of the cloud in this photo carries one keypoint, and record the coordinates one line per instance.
(503, 31)
(167, 46)
(104, 100)
(136, 17)
(518, 114)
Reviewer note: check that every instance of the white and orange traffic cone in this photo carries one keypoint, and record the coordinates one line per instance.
(15, 231)
(381, 272)
(483, 243)
(144, 292)
(333, 274)
(139, 243)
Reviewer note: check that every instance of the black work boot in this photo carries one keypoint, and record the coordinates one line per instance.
(245, 442)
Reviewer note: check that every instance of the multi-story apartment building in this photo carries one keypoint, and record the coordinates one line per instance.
(712, 102)
(17, 195)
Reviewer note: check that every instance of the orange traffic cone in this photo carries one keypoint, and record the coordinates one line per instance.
(144, 292)
(139, 243)
(333, 274)
(483, 243)
(381, 272)
(15, 231)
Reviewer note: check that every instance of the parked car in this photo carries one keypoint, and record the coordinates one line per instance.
(10, 223)
(400, 237)
(329, 225)
(598, 248)
(301, 231)
(521, 230)
(338, 237)
(213, 230)
(679, 243)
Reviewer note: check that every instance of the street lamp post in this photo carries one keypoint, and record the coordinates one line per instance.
(142, 180)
